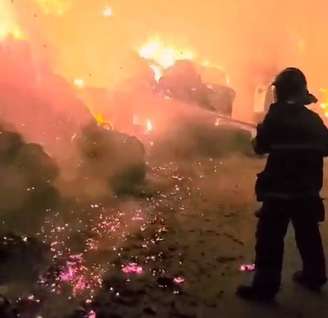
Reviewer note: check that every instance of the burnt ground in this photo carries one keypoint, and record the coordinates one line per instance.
(189, 230)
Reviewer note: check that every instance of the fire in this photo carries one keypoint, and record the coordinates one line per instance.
(102, 121)
(132, 268)
(162, 56)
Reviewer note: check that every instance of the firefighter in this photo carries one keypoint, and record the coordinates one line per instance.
(296, 141)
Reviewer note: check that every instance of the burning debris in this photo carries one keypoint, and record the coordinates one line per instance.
(132, 268)
(115, 157)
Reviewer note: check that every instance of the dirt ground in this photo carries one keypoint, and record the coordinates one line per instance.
(216, 233)
(197, 229)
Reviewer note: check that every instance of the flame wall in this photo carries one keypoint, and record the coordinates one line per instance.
(97, 40)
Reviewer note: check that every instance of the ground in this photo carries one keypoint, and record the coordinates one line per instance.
(183, 238)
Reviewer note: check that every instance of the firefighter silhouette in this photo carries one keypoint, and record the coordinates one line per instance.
(296, 141)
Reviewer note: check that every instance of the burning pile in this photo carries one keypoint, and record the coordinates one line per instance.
(27, 189)
(116, 158)
(45, 109)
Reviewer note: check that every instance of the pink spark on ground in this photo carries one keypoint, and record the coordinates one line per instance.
(247, 268)
(138, 218)
(92, 314)
(132, 268)
(76, 274)
(69, 273)
(80, 285)
(179, 280)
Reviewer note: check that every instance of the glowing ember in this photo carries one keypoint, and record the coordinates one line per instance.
(247, 268)
(76, 275)
(132, 268)
(179, 280)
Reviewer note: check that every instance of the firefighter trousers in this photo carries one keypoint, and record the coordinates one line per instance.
(271, 230)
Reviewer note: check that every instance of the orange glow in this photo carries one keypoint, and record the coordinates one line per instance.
(8, 25)
(55, 7)
(80, 83)
(149, 125)
(324, 103)
(160, 56)
(102, 121)
(108, 11)
(108, 42)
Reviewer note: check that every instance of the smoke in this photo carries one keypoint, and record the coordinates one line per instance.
(40, 104)
(250, 40)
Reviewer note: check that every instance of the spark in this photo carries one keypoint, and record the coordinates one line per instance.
(179, 280)
(91, 314)
(247, 268)
(132, 268)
